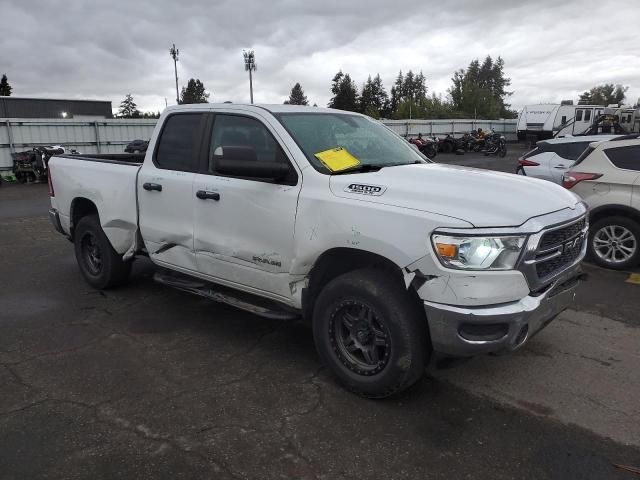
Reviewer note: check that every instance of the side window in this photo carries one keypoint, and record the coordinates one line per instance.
(625, 157)
(244, 139)
(587, 115)
(564, 119)
(578, 115)
(179, 142)
(574, 150)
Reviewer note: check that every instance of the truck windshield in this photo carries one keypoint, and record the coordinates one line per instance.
(373, 144)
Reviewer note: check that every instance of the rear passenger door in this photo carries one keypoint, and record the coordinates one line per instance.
(165, 191)
(244, 230)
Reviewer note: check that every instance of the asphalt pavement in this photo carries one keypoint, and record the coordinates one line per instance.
(149, 382)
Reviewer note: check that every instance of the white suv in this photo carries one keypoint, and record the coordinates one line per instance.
(607, 177)
(552, 158)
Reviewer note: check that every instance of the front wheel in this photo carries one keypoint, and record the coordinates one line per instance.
(101, 266)
(430, 151)
(503, 151)
(614, 242)
(371, 333)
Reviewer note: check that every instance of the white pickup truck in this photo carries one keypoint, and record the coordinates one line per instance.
(286, 211)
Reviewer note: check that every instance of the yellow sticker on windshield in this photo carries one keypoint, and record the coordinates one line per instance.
(337, 159)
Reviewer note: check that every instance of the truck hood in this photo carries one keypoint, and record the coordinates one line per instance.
(482, 198)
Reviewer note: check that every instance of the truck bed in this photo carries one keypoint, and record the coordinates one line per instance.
(106, 181)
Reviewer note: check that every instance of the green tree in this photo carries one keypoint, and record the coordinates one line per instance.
(151, 115)
(606, 94)
(345, 94)
(408, 96)
(297, 96)
(374, 100)
(128, 108)
(5, 88)
(194, 92)
(480, 90)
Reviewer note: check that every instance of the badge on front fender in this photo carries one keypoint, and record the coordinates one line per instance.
(364, 189)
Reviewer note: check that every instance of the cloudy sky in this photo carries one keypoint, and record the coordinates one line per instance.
(105, 49)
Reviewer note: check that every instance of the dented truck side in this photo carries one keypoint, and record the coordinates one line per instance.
(285, 239)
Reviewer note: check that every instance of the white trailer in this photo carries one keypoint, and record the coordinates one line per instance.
(546, 120)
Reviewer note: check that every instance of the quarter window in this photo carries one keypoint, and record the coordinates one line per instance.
(627, 158)
(179, 142)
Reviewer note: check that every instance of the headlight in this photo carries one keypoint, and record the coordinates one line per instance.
(478, 253)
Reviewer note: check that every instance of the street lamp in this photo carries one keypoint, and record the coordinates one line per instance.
(250, 66)
(174, 52)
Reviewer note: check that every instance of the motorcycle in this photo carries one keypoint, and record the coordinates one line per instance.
(426, 145)
(32, 165)
(449, 144)
(495, 143)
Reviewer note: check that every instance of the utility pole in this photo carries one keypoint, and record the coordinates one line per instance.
(250, 66)
(174, 52)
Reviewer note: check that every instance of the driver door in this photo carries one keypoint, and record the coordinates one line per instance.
(244, 236)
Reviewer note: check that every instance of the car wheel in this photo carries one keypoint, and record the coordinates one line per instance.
(614, 242)
(371, 333)
(101, 266)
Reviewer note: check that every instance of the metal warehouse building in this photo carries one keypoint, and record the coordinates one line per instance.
(20, 107)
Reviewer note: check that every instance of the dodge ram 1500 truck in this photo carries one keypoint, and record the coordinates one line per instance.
(296, 211)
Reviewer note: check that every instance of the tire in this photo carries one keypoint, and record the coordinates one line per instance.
(614, 242)
(447, 147)
(368, 308)
(430, 151)
(99, 263)
(502, 151)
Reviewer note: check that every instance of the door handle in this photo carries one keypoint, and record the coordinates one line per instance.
(559, 166)
(204, 195)
(152, 186)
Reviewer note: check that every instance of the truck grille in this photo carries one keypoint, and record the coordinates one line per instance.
(556, 237)
(556, 250)
(569, 254)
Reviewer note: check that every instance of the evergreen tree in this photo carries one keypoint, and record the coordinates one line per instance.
(194, 92)
(480, 90)
(345, 94)
(374, 100)
(5, 87)
(297, 96)
(128, 108)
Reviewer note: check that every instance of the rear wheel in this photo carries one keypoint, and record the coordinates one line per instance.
(371, 333)
(502, 151)
(614, 242)
(101, 266)
(447, 147)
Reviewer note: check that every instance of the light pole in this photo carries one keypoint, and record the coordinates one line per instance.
(174, 52)
(250, 66)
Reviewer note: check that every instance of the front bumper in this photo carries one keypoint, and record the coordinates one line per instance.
(469, 331)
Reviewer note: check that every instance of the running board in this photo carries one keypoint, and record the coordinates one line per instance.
(249, 303)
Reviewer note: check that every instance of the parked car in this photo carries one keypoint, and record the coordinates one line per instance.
(393, 259)
(550, 159)
(137, 146)
(607, 177)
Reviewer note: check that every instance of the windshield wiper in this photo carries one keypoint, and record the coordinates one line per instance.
(362, 168)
